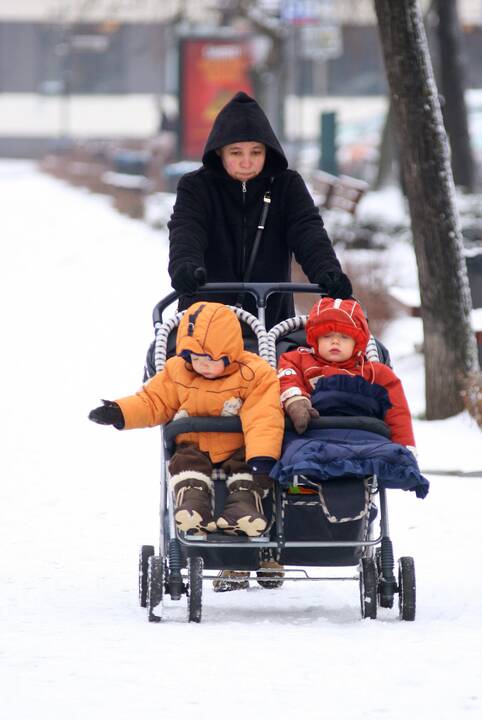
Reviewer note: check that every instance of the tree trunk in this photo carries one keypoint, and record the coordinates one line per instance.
(389, 159)
(387, 162)
(452, 86)
(449, 342)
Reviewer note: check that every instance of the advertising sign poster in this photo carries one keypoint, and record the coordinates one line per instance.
(212, 70)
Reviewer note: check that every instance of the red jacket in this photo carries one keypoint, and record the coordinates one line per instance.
(300, 369)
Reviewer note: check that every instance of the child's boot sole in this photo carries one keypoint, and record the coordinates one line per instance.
(229, 580)
(190, 520)
(247, 525)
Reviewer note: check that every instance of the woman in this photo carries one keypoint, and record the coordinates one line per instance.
(214, 225)
(218, 209)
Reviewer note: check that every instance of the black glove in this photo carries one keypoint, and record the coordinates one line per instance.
(108, 414)
(188, 278)
(335, 284)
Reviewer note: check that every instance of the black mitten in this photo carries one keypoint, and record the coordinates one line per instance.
(108, 414)
(335, 284)
(188, 278)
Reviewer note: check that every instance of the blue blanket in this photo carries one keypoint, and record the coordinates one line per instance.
(325, 454)
(329, 454)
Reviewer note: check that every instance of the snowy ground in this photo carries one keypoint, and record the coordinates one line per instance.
(77, 285)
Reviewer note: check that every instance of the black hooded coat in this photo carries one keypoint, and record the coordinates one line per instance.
(215, 217)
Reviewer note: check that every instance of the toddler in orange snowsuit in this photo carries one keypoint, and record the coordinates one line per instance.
(212, 375)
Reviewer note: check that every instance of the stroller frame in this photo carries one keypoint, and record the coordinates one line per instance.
(179, 570)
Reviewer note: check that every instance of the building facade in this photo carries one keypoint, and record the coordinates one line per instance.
(109, 68)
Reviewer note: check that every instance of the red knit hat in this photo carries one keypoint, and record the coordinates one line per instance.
(336, 315)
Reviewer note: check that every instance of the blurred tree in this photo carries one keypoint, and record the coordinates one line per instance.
(449, 52)
(449, 341)
(388, 163)
(269, 68)
(452, 86)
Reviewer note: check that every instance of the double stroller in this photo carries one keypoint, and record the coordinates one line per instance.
(342, 522)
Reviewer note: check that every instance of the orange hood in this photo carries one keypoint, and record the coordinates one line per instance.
(208, 328)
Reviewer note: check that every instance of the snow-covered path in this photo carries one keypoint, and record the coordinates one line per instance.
(77, 286)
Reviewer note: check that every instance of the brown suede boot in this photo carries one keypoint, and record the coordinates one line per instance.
(229, 580)
(243, 512)
(193, 502)
(270, 574)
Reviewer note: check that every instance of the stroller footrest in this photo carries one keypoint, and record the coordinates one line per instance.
(229, 539)
(223, 539)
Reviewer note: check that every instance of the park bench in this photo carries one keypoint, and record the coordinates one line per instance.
(339, 192)
(128, 181)
(127, 191)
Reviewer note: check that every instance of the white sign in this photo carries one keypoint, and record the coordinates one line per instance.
(320, 41)
(305, 12)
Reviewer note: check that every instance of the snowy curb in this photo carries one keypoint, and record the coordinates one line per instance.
(460, 473)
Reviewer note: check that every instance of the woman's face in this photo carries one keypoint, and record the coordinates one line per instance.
(243, 160)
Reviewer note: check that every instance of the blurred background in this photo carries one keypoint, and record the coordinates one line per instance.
(107, 76)
(118, 96)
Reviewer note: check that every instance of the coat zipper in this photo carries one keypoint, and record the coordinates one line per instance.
(244, 190)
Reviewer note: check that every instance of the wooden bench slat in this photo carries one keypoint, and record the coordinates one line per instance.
(342, 192)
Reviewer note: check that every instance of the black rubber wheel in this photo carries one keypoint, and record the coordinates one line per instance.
(384, 600)
(144, 554)
(155, 587)
(368, 588)
(195, 567)
(406, 588)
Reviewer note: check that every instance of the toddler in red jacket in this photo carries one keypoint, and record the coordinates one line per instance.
(337, 334)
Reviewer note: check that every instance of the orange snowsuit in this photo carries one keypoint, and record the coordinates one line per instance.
(248, 387)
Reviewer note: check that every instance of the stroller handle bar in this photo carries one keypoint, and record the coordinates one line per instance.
(260, 291)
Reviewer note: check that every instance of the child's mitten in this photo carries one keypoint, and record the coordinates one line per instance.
(300, 413)
(108, 414)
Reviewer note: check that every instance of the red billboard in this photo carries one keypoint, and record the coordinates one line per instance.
(212, 70)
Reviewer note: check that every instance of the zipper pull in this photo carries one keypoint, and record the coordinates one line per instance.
(243, 187)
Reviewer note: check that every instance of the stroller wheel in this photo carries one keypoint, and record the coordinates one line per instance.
(155, 587)
(144, 554)
(378, 560)
(195, 588)
(368, 588)
(406, 588)
(386, 589)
